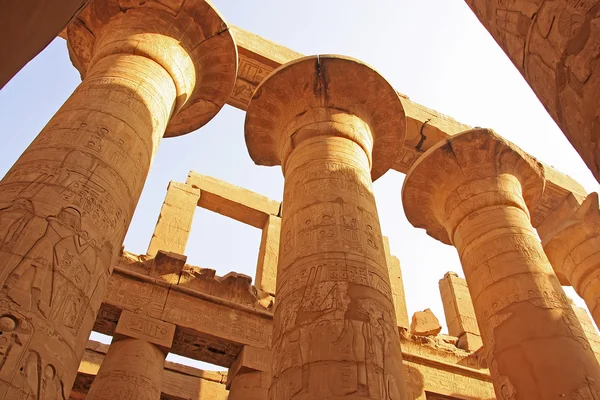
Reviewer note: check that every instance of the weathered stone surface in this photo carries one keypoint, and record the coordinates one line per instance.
(268, 255)
(332, 277)
(179, 381)
(27, 27)
(151, 330)
(574, 251)
(425, 323)
(250, 375)
(475, 191)
(132, 369)
(175, 219)
(459, 312)
(67, 202)
(395, 273)
(554, 44)
(233, 201)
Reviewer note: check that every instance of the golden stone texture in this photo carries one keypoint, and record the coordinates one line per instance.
(132, 369)
(554, 44)
(67, 202)
(474, 191)
(328, 121)
(574, 251)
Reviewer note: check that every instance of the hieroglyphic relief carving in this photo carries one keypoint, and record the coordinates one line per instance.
(554, 44)
(475, 192)
(335, 331)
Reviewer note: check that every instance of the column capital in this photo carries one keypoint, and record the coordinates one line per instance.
(468, 172)
(249, 359)
(325, 95)
(189, 39)
(573, 249)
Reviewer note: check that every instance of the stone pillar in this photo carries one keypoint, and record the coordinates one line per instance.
(249, 377)
(268, 255)
(395, 271)
(474, 191)
(554, 44)
(67, 202)
(459, 312)
(27, 27)
(175, 219)
(329, 121)
(133, 366)
(574, 251)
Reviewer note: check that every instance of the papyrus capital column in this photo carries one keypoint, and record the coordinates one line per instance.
(574, 251)
(333, 124)
(554, 44)
(66, 204)
(133, 366)
(474, 191)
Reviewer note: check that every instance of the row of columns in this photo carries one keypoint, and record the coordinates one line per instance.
(334, 125)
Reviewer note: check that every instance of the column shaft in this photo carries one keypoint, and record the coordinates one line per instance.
(65, 207)
(132, 369)
(535, 345)
(335, 326)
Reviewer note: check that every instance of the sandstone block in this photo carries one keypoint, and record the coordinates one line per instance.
(425, 323)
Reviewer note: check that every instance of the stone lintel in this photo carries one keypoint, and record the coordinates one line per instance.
(137, 326)
(179, 381)
(167, 266)
(250, 359)
(233, 201)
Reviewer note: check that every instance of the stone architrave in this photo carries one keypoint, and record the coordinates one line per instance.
(554, 44)
(249, 377)
(574, 251)
(459, 312)
(27, 27)
(175, 219)
(67, 202)
(395, 271)
(333, 124)
(474, 192)
(133, 366)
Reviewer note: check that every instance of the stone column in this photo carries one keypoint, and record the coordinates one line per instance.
(474, 191)
(27, 27)
(329, 121)
(249, 377)
(459, 312)
(397, 284)
(574, 251)
(67, 202)
(554, 44)
(268, 255)
(133, 366)
(175, 219)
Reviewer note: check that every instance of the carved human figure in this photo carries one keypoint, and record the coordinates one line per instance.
(68, 200)
(554, 44)
(475, 191)
(333, 124)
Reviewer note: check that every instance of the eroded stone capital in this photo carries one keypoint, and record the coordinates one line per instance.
(325, 95)
(574, 249)
(189, 39)
(471, 171)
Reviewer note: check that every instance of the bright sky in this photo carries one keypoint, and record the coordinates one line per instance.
(434, 51)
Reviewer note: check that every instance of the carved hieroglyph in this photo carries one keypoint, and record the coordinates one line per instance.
(175, 219)
(67, 202)
(574, 251)
(328, 121)
(474, 191)
(555, 44)
(133, 366)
